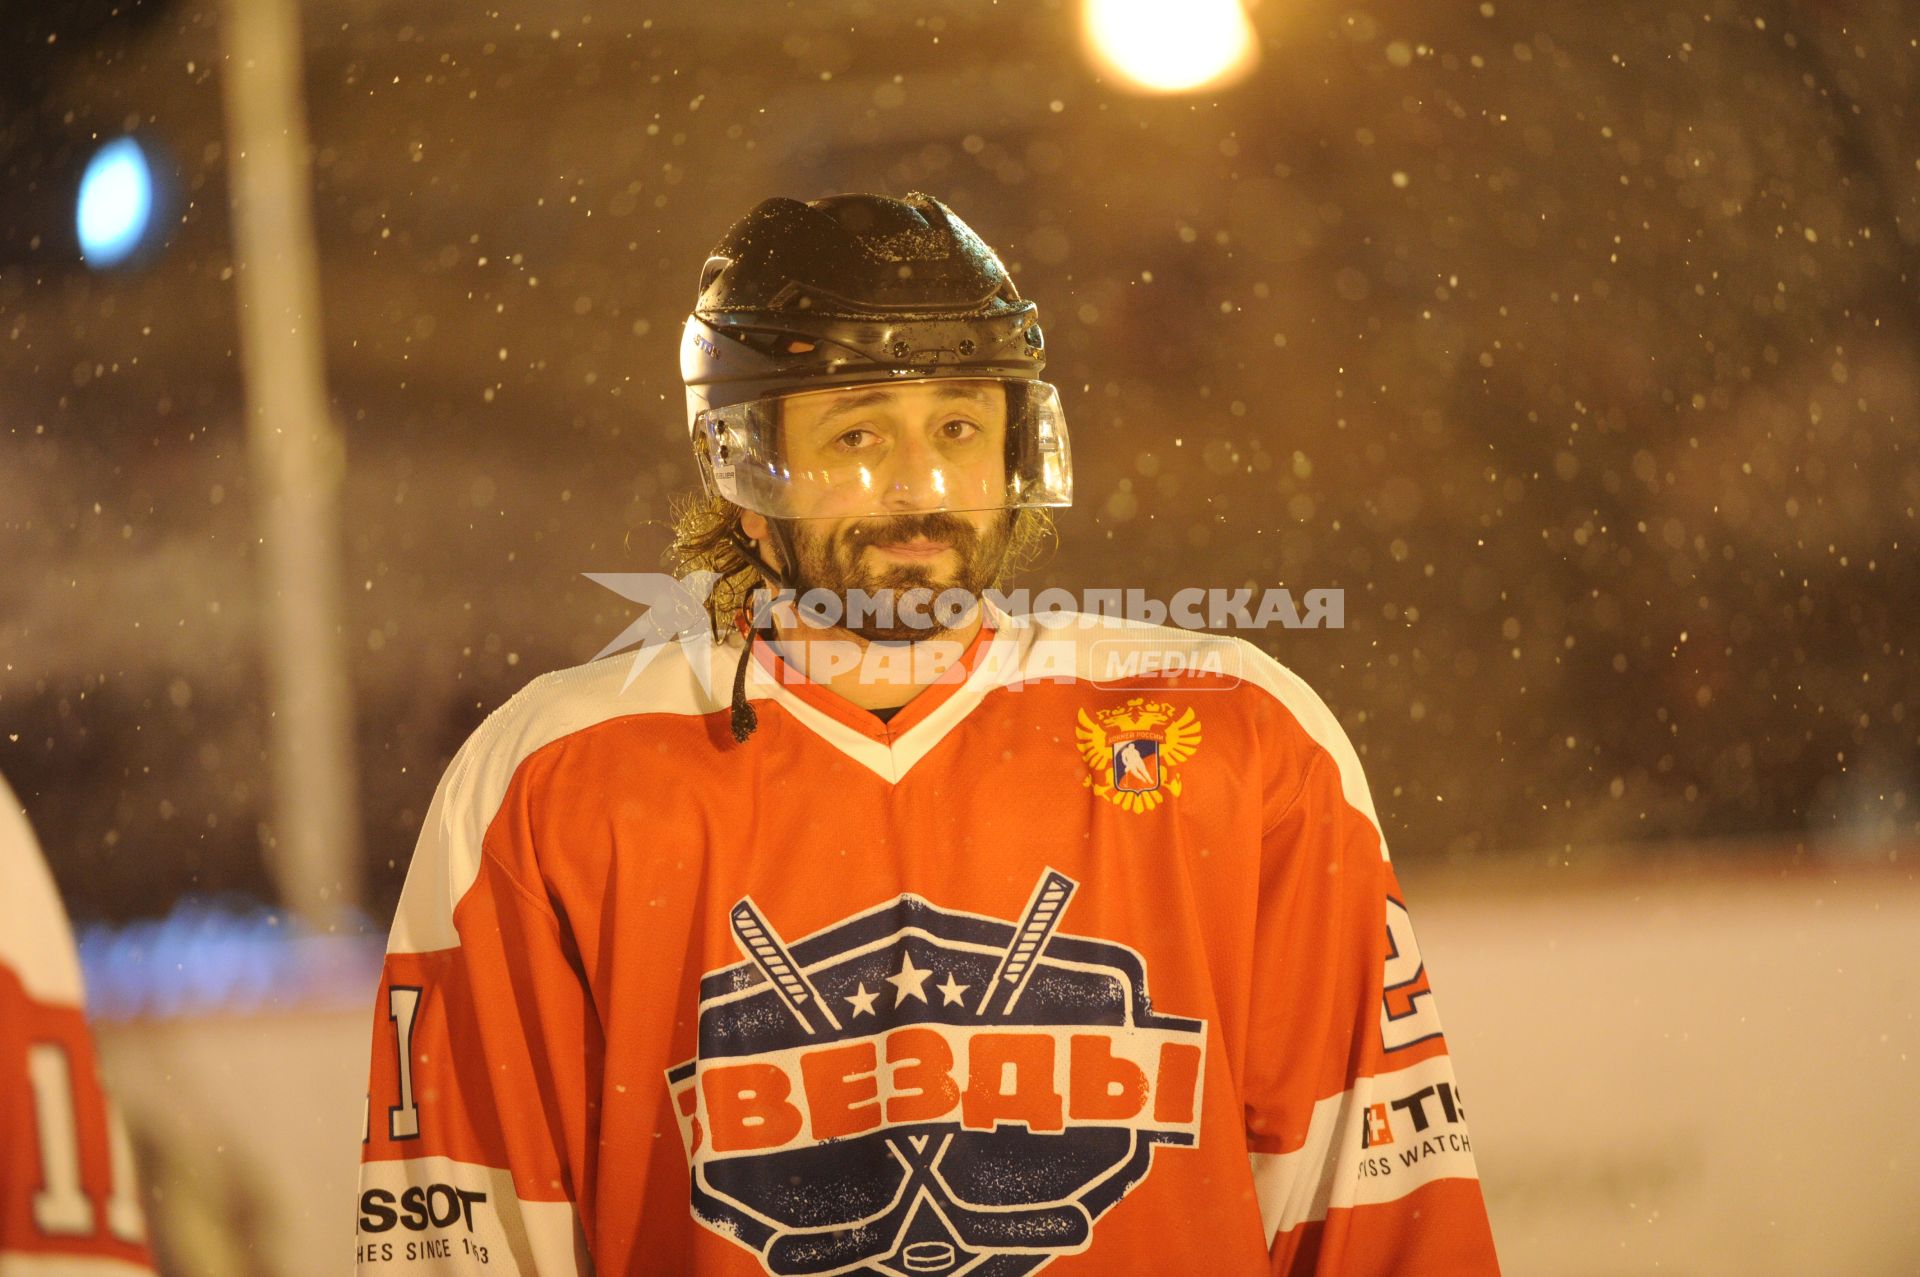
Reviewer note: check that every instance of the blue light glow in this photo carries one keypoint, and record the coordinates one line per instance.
(226, 956)
(116, 203)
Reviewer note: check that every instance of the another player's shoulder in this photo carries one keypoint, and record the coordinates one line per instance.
(35, 943)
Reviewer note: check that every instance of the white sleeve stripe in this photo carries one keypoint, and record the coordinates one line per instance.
(464, 1211)
(1319, 723)
(1331, 1170)
(15, 1263)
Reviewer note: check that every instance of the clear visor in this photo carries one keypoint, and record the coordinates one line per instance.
(949, 443)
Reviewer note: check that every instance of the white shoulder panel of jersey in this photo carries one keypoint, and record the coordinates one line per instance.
(34, 940)
(1318, 722)
(690, 677)
(1078, 644)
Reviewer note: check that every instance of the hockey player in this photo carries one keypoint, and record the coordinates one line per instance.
(992, 965)
(69, 1203)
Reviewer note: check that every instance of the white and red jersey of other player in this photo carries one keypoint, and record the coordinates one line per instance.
(69, 1198)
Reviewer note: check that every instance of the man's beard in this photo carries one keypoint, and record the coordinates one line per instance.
(837, 563)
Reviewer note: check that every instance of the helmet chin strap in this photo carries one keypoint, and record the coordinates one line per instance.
(751, 550)
(744, 720)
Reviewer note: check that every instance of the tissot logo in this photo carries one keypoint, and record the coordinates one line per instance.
(418, 1208)
(916, 1090)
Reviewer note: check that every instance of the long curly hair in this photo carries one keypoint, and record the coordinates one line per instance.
(706, 530)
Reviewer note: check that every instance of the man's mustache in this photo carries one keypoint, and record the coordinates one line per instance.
(939, 526)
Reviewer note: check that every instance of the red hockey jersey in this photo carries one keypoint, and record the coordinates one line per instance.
(69, 1203)
(1090, 959)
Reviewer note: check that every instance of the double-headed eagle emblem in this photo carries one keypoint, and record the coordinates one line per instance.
(1133, 749)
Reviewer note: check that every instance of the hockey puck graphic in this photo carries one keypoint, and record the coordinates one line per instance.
(928, 1257)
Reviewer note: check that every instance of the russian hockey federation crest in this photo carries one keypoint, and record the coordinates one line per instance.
(1132, 750)
(916, 1090)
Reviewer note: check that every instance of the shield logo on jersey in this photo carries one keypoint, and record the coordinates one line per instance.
(1136, 765)
(1132, 750)
(916, 1090)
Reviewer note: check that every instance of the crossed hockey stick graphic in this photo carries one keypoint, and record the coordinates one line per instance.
(1051, 1227)
(1063, 1226)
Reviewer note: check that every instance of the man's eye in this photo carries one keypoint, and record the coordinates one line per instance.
(958, 430)
(855, 439)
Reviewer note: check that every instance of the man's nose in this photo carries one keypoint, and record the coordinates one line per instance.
(912, 478)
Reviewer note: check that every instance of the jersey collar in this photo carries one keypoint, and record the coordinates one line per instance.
(888, 748)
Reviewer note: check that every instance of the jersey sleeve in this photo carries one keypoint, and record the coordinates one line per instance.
(69, 1198)
(477, 1152)
(1362, 1162)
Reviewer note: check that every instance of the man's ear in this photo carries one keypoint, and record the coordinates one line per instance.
(755, 528)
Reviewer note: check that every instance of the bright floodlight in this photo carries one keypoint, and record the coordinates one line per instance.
(1164, 46)
(116, 202)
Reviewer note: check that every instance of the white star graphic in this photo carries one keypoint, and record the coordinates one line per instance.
(862, 1001)
(910, 983)
(950, 991)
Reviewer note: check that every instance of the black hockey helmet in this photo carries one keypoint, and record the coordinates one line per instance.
(853, 290)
